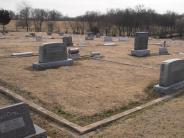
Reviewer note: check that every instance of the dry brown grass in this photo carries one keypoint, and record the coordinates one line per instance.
(161, 121)
(89, 87)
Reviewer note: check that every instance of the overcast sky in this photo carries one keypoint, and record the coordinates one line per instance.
(77, 7)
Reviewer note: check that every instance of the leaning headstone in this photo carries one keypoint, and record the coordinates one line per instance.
(141, 45)
(52, 55)
(171, 76)
(67, 40)
(15, 122)
(73, 53)
(89, 36)
(107, 39)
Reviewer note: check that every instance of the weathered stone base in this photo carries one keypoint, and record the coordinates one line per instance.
(74, 56)
(166, 90)
(163, 51)
(140, 53)
(40, 133)
(49, 65)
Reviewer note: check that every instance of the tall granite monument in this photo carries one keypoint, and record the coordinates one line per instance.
(141, 45)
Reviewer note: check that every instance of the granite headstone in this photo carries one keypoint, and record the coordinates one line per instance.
(52, 55)
(141, 44)
(171, 76)
(15, 122)
(67, 40)
(107, 39)
(89, 36)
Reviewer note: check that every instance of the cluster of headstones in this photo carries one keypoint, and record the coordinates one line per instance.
(15, 122)
(141, 45)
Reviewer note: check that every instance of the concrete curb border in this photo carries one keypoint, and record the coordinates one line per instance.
(86, 129)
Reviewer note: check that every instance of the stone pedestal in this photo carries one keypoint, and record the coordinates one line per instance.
(140, 53)
(49, 65)
(168, 89)
(163, 51)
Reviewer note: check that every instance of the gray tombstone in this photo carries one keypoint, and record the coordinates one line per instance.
(107, 39)
(89, 36)
(141, 45)
(67, 40)
(52, 55)
(98, 35)
(15, 122)
(171, 76)
(163, 51)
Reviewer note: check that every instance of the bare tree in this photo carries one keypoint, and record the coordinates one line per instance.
(180, 26)
(24, 14)
(39, 16)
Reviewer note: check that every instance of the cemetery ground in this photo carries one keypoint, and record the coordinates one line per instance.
(90, 90)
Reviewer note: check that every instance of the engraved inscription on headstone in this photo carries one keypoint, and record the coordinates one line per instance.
(15, 122)
(10, 125)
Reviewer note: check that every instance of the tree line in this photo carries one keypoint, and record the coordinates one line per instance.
(114, 22)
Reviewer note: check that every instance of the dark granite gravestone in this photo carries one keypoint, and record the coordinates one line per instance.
(89, 36)
(141, 41)
(171, 76)
(15, 122)
(52, 52)
(68, 41)
(52, 55)
(141, 44)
